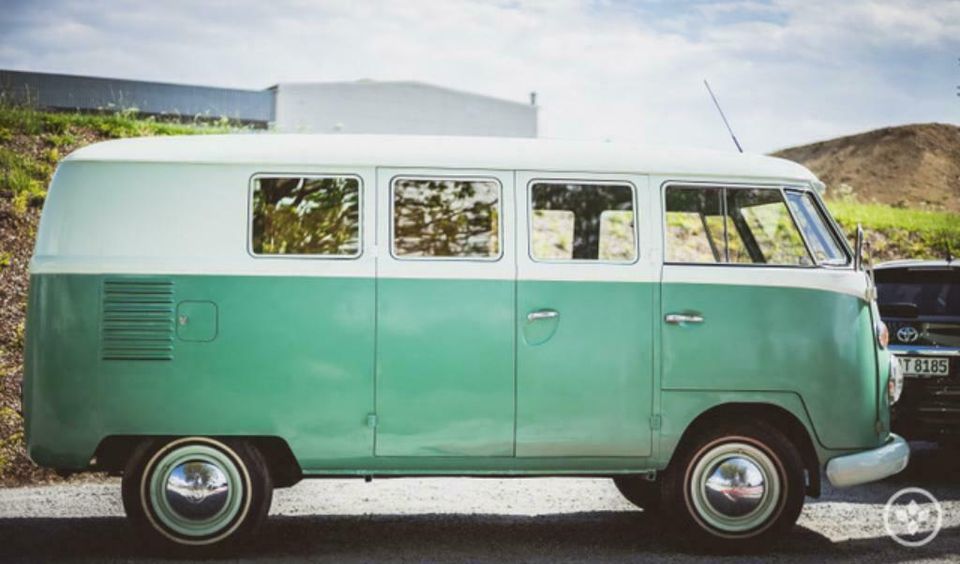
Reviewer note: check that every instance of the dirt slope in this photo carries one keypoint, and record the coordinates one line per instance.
(906, 166)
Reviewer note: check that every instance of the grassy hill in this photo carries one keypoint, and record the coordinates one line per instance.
(916, 166)
(865, 185)
(902, 183)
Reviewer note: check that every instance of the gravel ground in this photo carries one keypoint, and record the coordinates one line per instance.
(475, 520)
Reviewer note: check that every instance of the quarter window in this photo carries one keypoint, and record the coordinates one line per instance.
(306, 215)
(732, 225)
(590, 222)
(446, 218)
(823, 241)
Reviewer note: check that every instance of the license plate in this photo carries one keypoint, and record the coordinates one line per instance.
(924, 366)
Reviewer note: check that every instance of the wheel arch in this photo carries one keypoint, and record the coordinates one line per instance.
(113, 453)
(774, 415)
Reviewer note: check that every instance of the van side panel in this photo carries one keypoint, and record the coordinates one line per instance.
(682, 407)
(445, 361)
(61, 387)
(815, 343)
(585, 379)
(290, 357)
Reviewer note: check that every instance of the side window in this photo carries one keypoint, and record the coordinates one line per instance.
(446, 218)
(732, 225)
(590, 222)
(305, 215)
(694, 225)
(761, 218)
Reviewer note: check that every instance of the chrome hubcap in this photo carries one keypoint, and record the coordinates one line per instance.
(735, 488)
(197, 490)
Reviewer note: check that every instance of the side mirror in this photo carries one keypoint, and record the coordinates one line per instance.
(858, 252)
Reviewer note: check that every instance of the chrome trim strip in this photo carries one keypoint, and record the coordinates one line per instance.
(870, 465)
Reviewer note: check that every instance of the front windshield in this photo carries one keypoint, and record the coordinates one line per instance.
(823, 243)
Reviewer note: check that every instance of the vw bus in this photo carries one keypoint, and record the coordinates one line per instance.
(213, 317)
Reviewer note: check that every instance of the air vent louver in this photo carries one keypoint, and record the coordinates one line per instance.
(138, 319)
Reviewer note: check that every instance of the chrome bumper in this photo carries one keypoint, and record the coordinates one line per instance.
(870, 465)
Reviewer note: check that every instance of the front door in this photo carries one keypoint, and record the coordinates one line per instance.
(745, 309)
(585, 316)
(445, 302)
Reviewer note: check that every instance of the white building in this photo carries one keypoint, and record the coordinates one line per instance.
(365, 106)
(368, 106)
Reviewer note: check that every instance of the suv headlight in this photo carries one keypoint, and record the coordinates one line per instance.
(895, 381)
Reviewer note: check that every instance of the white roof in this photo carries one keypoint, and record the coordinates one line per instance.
(440, 152)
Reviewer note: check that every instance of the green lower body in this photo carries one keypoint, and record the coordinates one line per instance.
(364, 376)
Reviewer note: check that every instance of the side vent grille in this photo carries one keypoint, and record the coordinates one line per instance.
(138, 319)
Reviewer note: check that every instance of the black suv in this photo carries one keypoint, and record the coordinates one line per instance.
(920, 303)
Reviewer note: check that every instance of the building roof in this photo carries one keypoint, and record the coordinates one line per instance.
(368, 83)
(439, 152)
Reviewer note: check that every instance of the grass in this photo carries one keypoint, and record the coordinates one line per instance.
(127, 123)
(32, 142)
(895, 232)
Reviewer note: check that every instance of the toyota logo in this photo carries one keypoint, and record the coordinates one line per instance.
(907, 334)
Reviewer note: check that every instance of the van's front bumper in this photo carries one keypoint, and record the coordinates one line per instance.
(870, 465)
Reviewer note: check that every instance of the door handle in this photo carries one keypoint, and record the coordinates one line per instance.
(543, 314)
(678, 318)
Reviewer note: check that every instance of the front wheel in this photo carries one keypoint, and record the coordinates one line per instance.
(197, 491)
(735, 486)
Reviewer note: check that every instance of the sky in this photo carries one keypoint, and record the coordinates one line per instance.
(787, 72)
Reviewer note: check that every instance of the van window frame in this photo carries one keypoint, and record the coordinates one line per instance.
(311, 256)
(831, 224)
(782, 188)
(478, 178)
(584, 181)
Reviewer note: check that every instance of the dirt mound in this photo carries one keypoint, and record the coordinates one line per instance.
(906, 166)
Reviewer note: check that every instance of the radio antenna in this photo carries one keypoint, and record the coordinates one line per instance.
(722, 116)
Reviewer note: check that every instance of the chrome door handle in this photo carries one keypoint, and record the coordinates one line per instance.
(678, 318)
(542, 314)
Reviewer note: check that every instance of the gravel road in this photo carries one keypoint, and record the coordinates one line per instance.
(475, 520)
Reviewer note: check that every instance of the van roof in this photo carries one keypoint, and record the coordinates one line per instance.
(438, 152)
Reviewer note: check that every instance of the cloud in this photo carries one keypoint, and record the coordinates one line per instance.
(787, 71)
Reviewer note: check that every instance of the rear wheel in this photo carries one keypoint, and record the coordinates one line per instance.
(735, 487)
(197, 491)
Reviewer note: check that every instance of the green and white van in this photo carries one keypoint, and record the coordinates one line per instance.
(216, 316)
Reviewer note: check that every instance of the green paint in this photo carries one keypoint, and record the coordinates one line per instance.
(196, 321)
(445, 370)
(585, 378)
(816, 344)
(457, 379)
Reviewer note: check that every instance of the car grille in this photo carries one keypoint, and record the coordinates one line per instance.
(929, 406)
(924, 333)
